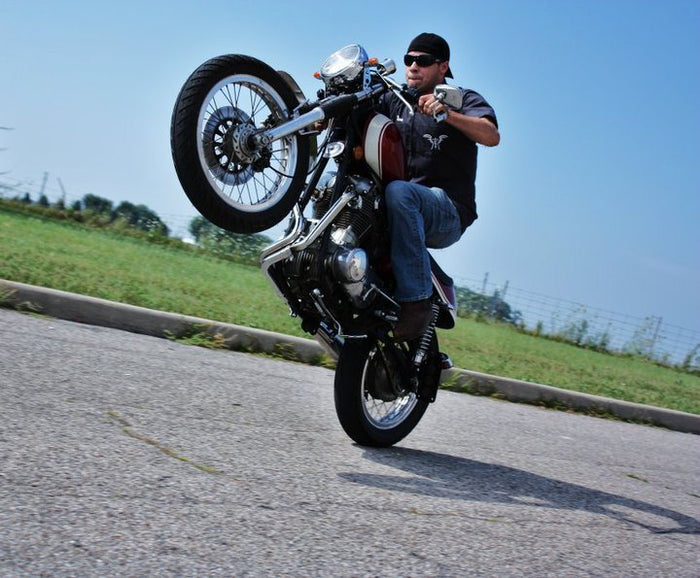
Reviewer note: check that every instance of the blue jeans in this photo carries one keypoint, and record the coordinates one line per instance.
(420, 217)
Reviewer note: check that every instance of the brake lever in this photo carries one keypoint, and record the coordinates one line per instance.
(398, 90)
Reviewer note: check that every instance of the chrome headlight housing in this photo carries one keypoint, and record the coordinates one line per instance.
(344, 66)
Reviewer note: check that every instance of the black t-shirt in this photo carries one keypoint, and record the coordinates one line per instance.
(438, 154)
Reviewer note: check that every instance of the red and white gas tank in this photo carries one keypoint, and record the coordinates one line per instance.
(383, 148)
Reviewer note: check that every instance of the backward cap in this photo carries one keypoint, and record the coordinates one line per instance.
(432, 44)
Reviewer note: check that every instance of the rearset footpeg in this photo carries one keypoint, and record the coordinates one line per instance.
(445, 361)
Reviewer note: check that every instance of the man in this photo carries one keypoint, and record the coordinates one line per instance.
(437, 204)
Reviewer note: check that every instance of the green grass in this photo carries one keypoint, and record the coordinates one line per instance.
(72, 257)
(500, 350)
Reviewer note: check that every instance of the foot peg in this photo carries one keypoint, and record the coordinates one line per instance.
(445, 361)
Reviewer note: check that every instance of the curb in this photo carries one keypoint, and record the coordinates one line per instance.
(95, 311)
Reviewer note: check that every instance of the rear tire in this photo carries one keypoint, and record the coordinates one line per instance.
(220, 105)
(374, 406)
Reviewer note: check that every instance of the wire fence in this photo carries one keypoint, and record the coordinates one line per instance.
(650, 337)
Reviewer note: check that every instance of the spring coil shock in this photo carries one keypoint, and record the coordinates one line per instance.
(426, 339)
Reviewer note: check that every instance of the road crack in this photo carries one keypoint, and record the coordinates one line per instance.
(127, 428)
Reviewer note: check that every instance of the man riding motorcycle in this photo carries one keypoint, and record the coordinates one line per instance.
(437, 204)
(352, 264)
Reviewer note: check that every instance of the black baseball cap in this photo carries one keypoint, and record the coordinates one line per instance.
(432, 44)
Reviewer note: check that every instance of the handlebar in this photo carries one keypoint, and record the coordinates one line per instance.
(322, 110)
(334, 106)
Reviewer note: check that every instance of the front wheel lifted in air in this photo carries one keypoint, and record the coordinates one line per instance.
(231, 181)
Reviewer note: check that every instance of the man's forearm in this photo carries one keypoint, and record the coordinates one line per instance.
(479, 129)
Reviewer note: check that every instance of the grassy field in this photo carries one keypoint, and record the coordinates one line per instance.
(71, 257)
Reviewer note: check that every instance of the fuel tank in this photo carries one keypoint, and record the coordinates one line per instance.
(384, 150)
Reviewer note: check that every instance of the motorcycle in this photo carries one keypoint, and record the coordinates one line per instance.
(244, 144)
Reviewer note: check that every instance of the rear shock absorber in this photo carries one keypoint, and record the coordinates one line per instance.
(426, 338)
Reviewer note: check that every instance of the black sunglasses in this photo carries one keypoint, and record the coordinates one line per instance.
(421, 60)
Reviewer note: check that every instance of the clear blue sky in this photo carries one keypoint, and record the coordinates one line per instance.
(592, 196)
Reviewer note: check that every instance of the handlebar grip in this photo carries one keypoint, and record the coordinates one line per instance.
(440, 116)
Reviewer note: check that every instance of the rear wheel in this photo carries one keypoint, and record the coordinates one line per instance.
(225, 101)
(375, 403)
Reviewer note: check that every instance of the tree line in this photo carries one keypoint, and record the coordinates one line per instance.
(99, 211)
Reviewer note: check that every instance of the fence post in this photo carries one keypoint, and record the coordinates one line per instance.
(655, 336)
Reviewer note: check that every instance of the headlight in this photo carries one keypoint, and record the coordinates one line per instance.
(344, 65)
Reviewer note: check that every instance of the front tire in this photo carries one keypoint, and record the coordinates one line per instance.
(374, 404)
(224, 102)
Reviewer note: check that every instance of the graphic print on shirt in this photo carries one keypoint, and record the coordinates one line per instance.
(436, 141)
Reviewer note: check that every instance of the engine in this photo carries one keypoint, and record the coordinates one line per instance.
(349, 252)
(337, 265)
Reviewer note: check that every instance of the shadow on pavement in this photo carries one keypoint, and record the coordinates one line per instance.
(444, 476)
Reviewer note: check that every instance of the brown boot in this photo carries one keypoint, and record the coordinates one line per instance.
(414, 319)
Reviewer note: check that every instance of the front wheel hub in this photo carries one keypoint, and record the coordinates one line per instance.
(241, 139)
(220, 146)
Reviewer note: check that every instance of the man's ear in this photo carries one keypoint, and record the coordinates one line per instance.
(444, 66)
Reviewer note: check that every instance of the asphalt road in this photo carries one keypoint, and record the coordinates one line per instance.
(128, 455)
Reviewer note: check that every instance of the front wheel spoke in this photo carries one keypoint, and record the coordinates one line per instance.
(249, 190)
(232, 99)
(241, 190)
(261, 179)
(280, 156)
(272, 181)
(257, 104)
